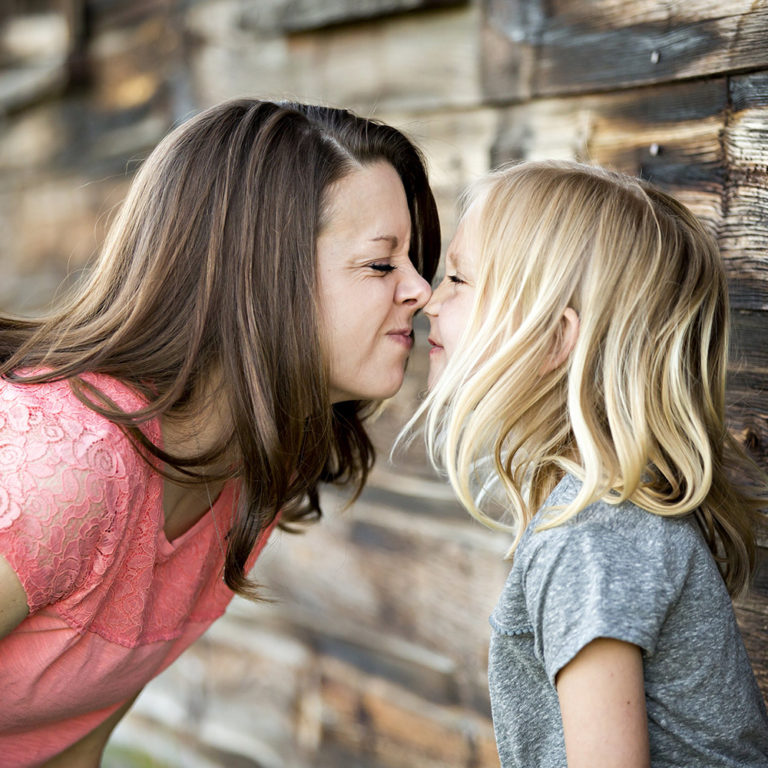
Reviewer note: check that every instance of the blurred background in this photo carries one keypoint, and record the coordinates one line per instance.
(373, 652)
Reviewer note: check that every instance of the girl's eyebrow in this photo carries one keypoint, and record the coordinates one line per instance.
(453, 258)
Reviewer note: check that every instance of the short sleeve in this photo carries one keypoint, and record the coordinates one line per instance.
(62, 474)
(583, 582)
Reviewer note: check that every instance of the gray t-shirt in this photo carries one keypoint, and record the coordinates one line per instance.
(621, 572)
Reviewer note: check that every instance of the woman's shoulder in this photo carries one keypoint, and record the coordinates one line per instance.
(119, 392)
(47, 405)
(71, 485)
(50, 439)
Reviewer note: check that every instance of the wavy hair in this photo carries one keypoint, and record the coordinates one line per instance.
(637, 411)
(210, 265)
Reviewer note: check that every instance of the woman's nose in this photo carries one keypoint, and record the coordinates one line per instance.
(413, 289)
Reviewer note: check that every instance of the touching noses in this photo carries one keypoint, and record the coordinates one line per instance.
(413, 289)
(432, 307)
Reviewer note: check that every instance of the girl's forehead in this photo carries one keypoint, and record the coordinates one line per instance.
(462, 253)
(453, 254)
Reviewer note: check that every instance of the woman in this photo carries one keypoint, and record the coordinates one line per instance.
(253, 301)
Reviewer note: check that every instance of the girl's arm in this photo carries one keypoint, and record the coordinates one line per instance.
(602, 703)
(13, 599)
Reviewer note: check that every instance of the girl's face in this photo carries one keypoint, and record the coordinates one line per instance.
(368, 288)
(451, 303)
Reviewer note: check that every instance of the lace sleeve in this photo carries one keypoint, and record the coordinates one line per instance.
(63, 473)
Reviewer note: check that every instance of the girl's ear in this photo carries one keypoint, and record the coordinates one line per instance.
(568, 334)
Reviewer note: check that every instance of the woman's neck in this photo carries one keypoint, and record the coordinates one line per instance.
(202, 426)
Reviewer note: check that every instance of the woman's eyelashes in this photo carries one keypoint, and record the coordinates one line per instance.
(455, 279)
(383, 267)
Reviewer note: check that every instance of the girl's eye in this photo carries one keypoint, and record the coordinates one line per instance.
(383, 267)
(455, 279)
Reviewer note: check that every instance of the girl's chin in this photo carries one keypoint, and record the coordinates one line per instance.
(435, 371)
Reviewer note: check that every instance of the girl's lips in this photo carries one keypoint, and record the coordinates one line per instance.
(435, 346)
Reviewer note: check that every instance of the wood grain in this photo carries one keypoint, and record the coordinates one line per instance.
(668, 134)
(748, 375)
(752, 615)
(289, 16)
(703, 141)
(430, 580)
(743, 232)
(536, 49)
(397, 63)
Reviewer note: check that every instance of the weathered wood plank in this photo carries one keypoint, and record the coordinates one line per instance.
(397, 63)
(364, 562)
(457, 146)
(240, 696)
(394, 726)
(669, 134)
(752, 615)
(571, 46)
(289, 16)
(34, 54)
(121, 14)
(749, 347)
(754, 630)
(702, 141)
(748, 376)
(51, 228)
(743, 233)
(747, 417)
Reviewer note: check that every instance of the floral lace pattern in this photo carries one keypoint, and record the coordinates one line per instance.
(112, 601)
(81, 521)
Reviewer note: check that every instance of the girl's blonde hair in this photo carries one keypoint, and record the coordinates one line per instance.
(637, 411)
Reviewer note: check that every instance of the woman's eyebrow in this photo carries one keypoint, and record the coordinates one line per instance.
(391, 239)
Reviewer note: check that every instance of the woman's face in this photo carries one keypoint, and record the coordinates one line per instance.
(451, 303)
(368, 288)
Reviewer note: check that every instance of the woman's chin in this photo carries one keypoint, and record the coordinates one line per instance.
(381, 390)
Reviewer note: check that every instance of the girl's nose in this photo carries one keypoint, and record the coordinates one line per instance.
(432, 307)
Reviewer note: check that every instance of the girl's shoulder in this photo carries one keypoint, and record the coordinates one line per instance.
(603, 526)
(624, 517)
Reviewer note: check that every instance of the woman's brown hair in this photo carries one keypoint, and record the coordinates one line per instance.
(210, 266)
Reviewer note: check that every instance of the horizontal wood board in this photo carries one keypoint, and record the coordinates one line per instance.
(361, 662)
(532, 48)
(291, 16)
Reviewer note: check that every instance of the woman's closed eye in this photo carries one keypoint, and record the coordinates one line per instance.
(456, 280)
(383, 267)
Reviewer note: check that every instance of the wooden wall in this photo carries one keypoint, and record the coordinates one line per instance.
(374, 653)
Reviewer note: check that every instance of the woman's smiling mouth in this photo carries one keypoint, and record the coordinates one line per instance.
(403, 336)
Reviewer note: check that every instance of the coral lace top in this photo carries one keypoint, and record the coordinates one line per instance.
(111, 601)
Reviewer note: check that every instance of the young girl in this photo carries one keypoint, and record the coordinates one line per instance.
(578, 360)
